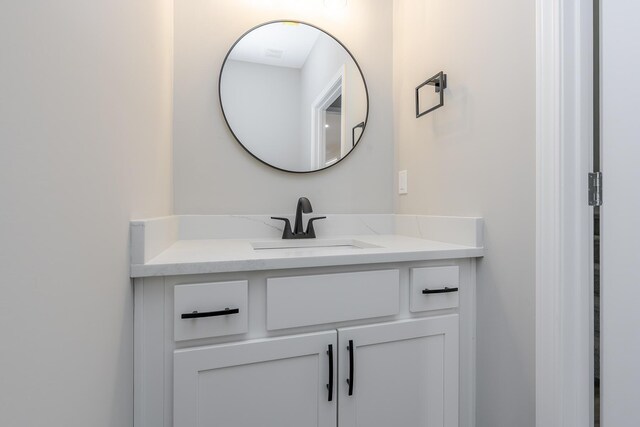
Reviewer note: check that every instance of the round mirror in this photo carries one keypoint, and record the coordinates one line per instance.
(293, 96)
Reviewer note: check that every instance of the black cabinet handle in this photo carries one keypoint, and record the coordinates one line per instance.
(196, 315)
(351, 368)
(439, 291)
(330, 385)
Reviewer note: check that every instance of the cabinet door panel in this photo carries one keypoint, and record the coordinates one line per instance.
(405, 374)
(273, 382)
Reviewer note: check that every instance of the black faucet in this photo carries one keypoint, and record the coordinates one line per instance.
(304, 206)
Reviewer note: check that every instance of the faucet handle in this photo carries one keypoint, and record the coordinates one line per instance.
(286, 232)
(311, 232)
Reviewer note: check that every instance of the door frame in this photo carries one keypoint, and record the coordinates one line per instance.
(334, 88)
(564, 221)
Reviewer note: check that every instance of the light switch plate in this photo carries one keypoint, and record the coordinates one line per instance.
(402, 182)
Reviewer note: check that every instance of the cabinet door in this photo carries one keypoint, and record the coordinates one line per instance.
(399, 374)
(279, 382)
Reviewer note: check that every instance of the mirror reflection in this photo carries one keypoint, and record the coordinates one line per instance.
(293, 96)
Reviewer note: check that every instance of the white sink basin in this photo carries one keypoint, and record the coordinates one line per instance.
(312, 244)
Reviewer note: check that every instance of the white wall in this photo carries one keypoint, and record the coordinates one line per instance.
(476, 156)
(85, 116)
(213, 174)
(258, 97)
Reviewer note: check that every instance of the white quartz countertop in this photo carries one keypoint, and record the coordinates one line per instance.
(228, 255)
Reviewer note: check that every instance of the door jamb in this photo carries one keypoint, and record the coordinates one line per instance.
(564, 221)
(334, 88)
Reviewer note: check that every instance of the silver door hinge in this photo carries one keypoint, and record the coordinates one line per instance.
(595, 189)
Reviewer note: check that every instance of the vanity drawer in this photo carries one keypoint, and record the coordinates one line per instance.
(434, 288)
(210, 310)
(327, 298)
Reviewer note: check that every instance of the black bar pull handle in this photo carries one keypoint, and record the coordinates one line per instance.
(330, 385)
(351, 378)
(439, 291)
(197, 315)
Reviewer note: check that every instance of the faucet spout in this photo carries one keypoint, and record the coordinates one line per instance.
(304, 206)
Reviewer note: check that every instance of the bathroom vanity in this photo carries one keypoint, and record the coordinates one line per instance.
(351, 321)
(371, 324)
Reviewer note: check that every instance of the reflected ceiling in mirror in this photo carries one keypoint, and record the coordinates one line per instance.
(293, 96)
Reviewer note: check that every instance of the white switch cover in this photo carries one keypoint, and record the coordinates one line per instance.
(402, 182)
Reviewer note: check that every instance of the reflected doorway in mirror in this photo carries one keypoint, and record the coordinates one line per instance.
(327, 123)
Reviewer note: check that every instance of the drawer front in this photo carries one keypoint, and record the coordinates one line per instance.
(210, 310)
(327, 298)
(432, 288)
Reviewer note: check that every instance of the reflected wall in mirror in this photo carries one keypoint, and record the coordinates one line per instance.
(293, 96)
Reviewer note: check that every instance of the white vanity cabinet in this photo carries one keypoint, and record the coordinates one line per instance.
(270, 382)
(403, 373)
(350, 346)
(400, 373)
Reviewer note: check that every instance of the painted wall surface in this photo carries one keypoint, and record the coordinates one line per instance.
(214, 175)
(258, 98)
(85, 116)
(476, 156)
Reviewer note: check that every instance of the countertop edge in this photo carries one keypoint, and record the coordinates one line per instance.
(231, 266)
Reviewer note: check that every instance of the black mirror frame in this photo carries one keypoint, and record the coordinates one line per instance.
(366, 91)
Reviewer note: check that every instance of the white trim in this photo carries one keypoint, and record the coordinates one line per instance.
(564, 222)
(327, 96)
(345, 141)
